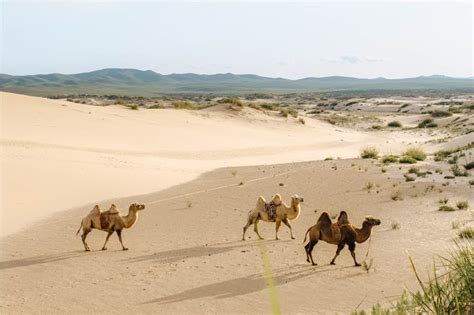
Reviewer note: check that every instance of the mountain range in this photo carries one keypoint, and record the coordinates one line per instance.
(149, 83)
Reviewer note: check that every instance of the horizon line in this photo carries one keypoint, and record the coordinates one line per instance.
(244, 74)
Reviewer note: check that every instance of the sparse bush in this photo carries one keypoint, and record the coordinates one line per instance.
(462, 205)
(241, 183)
(369, 153)
(329, 158)
(446, 208)
(469, 165)
(183, 105)
(189, 203)
(231, 100)
(301, 121)
(397, 195)
(448, 293)
(416, 153)
(427, 123)
(395, 226)
(394, 124)
(443, 201)
(409, 178)
(155, 106)
(369, 185)
(467, 232)
(390, 159)
(376, 127)
(441, 113)
(286, 112)
(457, 171)
(407, 160)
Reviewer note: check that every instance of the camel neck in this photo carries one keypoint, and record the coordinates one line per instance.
(130, 219)
(294, 210)
(364, 233)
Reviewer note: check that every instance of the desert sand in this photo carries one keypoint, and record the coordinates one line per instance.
(58, 155)
(199, 173)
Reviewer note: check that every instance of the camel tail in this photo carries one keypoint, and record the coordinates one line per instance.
(79, 228)
(306, 234)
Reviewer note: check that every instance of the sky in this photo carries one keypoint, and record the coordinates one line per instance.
(276, 39)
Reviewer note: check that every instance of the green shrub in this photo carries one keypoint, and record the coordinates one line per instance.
(133, 106)
(369, 153)
(376, 127)
(467, 232)
(441, 113)
(416, 153)
(462, 205)
(448, 292)
(183, 105)
(446, 208)
(301, 121)
(407, 160)
(457, 171)
(394, 124)
(231, 100)
(390, 159)
(427, 123)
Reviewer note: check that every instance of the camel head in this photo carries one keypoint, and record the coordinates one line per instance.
(136, 207)
(297, 199)
(371, 221)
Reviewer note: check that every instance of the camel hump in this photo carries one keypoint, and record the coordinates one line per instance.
(261, 202)
(95, 210)
(343, 218)
(324, 219)
(113, 209)
(276, 199)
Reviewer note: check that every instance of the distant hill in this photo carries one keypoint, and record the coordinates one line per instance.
(150, 83)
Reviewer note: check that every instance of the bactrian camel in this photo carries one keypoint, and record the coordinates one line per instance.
(338, 234)
(109, 221)
(283, 213)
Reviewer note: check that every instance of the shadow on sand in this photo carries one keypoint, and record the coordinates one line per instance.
(175, 255)
(45, 259)
(244, 285)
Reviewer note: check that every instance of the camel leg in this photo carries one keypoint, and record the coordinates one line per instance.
(119, 233)
(352, 247)
(339, 248)
(287, 223)
(277, 227)
(249, 223)
(309, 251)
(83, 237)
(106, 240)
(255, 228)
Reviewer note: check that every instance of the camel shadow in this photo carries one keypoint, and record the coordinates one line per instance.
(239, 286)
(44, 259)
(36, 260)
(175, 255)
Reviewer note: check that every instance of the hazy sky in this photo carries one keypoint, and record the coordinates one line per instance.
(292, 39)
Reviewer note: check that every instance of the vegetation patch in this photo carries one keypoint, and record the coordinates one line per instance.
(183, 105)
(394, 124)
(427, 123)
(462, 205)
(416, 153)
(441, 113)
(369, 153)
(390, 159)
(407, 160)
(467, 232)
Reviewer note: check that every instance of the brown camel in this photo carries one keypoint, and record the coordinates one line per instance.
(109, 221)
(282, 213)
(339, 235)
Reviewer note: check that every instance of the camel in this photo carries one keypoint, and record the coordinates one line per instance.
(109, 221)
(283, 213)
(339, 234)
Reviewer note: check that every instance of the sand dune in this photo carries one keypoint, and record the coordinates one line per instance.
(58, 155)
